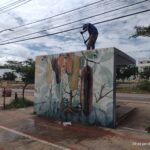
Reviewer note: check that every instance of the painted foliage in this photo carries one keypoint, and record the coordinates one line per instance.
(76, 87)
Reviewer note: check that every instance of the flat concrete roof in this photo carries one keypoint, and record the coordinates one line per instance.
(121, 58)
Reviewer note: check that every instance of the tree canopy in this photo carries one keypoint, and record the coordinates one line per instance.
(9, 76)
(145, 73)
(142, 31)
(125, 72)
(26, 70)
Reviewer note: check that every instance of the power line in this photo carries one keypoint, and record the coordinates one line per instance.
(60, 14)
(56, 15)
(11, 4)
(12, 9)
(16, 31)
(116, 18)
(5, 2)
(113, 10)
(48, 19)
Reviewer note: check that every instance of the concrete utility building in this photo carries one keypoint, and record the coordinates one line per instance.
(79, 86)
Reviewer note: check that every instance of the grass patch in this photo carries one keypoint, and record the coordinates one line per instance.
(144, 85)
(126, 82)
(148, 129)
(19, 103)
(131, 90)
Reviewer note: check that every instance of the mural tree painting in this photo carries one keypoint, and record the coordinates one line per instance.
(69, 65)
(86, 95)
(72, 70)
(86, 90)
(100, 94)
(76, 91)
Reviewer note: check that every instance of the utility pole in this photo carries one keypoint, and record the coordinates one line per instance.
(4, 84)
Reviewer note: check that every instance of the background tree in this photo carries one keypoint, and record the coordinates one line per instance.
(132, 70)
(145, 73)
(141, 31)
(9, 76)
(120, 73)
(1, 66)
(125, 72)
(26, 70)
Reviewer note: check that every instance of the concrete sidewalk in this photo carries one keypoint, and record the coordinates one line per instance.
(21, 130)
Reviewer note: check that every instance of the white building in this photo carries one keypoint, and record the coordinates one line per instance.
(3, 70)
(142, 63)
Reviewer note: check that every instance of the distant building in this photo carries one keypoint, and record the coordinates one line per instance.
(19, 78)
(3, 70)
(142, 63)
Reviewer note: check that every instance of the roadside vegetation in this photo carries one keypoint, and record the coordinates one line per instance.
(131, 80)
(19, 103)
(141, 31)
(142, 87)
(25, 69)
(148, 129)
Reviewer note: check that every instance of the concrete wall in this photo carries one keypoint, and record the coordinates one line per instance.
(76, 87)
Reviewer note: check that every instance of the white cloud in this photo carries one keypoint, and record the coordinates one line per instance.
(115, 33)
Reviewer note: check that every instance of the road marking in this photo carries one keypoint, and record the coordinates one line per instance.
(132, 129)
(33, 138)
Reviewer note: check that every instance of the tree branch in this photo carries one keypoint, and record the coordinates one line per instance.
(87, 59)
(66, 90)
(100, 94)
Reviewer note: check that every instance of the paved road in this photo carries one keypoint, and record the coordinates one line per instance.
(19, 91)
(120, 96)
(137, 97)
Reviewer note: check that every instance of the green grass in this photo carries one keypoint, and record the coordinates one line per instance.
(126, 82)
(142, 87)
(131, 90)
(19, 103)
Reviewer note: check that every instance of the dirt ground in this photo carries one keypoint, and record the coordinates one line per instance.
(21, 130)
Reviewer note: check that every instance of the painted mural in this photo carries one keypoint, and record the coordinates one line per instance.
(76, 87)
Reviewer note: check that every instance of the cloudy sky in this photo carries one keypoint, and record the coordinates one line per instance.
(15, 13)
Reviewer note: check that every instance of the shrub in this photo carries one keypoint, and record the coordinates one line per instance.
(19, 103)
(148, 129)
(144, 85)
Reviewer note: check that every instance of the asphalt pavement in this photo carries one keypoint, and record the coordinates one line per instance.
(132, 96)
(119, 96)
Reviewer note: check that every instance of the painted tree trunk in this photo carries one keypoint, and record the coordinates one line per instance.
(73, 68)
(86, 90)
